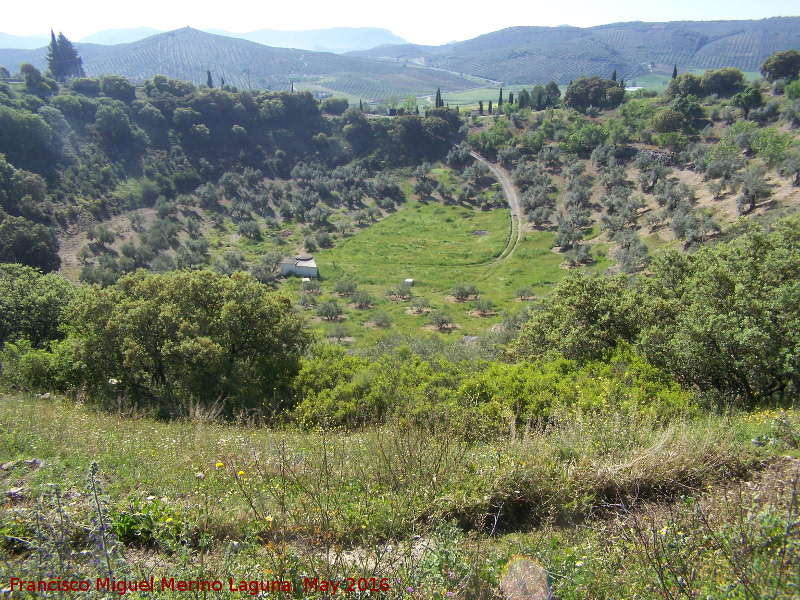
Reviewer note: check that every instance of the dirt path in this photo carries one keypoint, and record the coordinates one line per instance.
(513, 204)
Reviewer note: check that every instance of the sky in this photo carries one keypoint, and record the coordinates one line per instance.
(431, 23)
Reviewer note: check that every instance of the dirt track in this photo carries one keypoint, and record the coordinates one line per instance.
(513, 204)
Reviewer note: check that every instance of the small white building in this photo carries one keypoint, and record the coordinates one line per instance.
(302, 266)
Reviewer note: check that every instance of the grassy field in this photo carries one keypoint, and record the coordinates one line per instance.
(610, 506)
(438, 246)
(470, 98)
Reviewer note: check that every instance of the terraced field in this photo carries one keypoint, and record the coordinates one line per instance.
(538, 54)
(187, 54)
(377, 87)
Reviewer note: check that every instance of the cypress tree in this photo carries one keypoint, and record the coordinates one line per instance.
(209, 81)
(614, 75)
(490, 107)
(480, 107)
(511, 97)
(62, 58)
(500, 100)
(360, 106)
(675, 71)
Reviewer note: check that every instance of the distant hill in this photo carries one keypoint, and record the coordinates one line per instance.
(28, 42)
(187, 54)
(109, 37)
(538, 54)
(335, 39)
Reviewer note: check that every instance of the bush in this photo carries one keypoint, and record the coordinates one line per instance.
(793, 90)
(330, 310)
(249, 229)
(32, 305)
(362, 300)
(419, 304)
(187, 334)
(382, 320)
(312, 286)
(335, 106)
(525, 293)
(440, 320)
(484, 306)
(345, 287)
(463, 291)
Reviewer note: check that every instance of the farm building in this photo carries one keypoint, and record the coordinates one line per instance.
(302, 266)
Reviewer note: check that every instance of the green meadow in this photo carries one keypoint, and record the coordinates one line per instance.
(438, 246)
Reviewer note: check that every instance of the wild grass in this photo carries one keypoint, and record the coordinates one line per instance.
(433, 244)
(427, 509)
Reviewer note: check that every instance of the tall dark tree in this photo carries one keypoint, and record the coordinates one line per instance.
(209, 81)
(500, 100)
(480, 107)
(552, 93)
(524, 98)
(490, 107)
(614, 75)
(360, 106)
(511, 97)
(62, 58)
(675, 71)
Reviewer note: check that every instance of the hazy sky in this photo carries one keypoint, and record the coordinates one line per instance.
(435, 22)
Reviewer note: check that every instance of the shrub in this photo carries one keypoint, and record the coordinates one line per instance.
(32, 305)
(419, 304)
(401, 291)
(312, 286)
(524, 293)
(381, 319)
(440, 320)
(335, 106)
(249, 229)
(345, 287)
(362, 300)
(463, 291)
(330, 310)
(186, 334)
(483, 306)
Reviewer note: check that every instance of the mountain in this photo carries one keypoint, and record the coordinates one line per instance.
(538, 54)
(335, 39)
(28, 42)
(109, 37)
(187, 54)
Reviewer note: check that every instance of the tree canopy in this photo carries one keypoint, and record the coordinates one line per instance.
(32, 304)
(27, 243)
(593, 91)
(188, 334)
(782, 65)
(62, 58)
